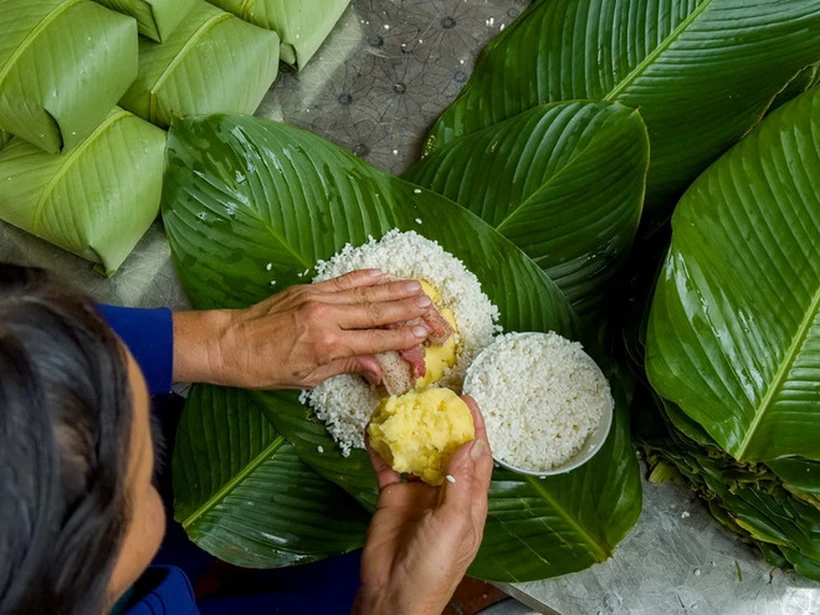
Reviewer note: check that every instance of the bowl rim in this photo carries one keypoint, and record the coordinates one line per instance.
(601, 431)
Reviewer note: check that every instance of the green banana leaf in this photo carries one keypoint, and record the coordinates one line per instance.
(63, 66)
(302, 26)
(156, 19)
(265, 195)
(96, 200)
(702, 72)
(734, 332)
(529, 178)
(4, 138)
(242, 493)
(212, 63)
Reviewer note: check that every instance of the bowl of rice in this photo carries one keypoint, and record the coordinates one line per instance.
(546, 404)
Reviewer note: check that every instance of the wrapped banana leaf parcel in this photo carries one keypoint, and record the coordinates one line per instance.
(303, 25)
(156, 19)
(63, 66)
(96, 200)
(213, 63)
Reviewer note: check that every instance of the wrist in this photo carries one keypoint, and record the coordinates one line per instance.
(200, 342)
(384, 601)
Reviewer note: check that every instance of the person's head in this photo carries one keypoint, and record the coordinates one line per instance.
(79, 516)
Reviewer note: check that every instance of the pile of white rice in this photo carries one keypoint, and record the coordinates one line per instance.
(541, 396)
(345, 403)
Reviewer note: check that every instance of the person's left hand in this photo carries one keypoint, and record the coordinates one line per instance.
(422, 539)
(302, 335)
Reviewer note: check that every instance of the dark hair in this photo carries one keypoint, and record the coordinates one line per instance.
(65, 424)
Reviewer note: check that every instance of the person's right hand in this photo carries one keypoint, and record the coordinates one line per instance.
(422, 539)
(301, 336)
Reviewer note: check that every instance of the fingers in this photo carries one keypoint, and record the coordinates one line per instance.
(374, 341)
(472, 468)
(354, 279)
(372, 315)
(483, 470)
(457, 501)
(382, 293)
(385, 475)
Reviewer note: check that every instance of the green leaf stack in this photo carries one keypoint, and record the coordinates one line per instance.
(302, 26)
(213, 62)
(63, 66)
(156, 19)
(734, 334)
(96, 200)
(262, 203)
(702, 72)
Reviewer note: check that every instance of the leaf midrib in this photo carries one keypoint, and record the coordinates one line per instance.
(245, 10)
(179, 57)
(784, 370)
(600, 554)
(237, 479)
(68, 163)
(656, 53)
(29, 39)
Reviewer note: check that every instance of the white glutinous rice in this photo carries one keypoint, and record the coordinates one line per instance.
(541, 396)
(346, 402)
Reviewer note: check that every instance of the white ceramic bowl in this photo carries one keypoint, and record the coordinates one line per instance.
(592, 445)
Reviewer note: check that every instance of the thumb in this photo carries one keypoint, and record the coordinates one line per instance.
(458, 488)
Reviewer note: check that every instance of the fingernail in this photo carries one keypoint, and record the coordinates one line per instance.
(423, 301)
(478, 449)
(420, 331)
(373, 273)
(411, 287)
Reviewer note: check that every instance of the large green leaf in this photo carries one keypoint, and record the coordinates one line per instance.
(96, 200)
(564, 182)
(63, 66)
(156, 19)
(5, 137)
(212, 63)
(734, 333)
(242, 493)
(249, 201)
(702, 72)
(302, 26)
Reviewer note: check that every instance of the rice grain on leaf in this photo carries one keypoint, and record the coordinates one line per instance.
(212, 63)
(63, 66)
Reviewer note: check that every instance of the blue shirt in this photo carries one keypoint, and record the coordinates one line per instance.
(166, 590)
(149, 335)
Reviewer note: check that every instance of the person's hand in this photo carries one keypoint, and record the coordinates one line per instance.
(301, 336)
(422, 539)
